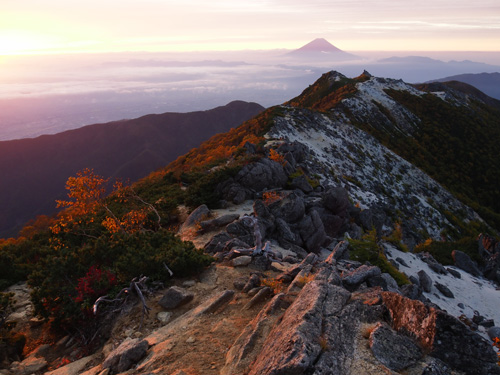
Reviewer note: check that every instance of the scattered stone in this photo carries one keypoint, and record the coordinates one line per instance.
(241, 261)
(29, 366)
(216, 244)
(285, 233)
(437, 267)
(444, 290)
(254, 291)
(189, 283)
(360, 275)
(302, 184)
(253, 282)
(414, 280)
(454, 273)
(291, 208)
(436, 367)
(240, 283)
(464, 262)
(126, 355)
(402, 262)
(461, 305)
(412, 291)
(191, 340)
(72, 368)
(215, 303)
(339, 252)
(260, 263)
(425, 281)
(393, 350)
(199, 214)
(487, 323)
(263, 294)
(164, 316)
(263, 174)
(175, 297)
(291, 259)
(221, 221)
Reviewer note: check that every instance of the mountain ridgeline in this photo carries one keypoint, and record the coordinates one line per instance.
(34, 171)
(322, 196)
(425, 155)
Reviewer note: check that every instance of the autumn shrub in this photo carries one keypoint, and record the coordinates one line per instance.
(97, 282)
(276, 286)
(396, 238)
(277, 157)
(67, 283)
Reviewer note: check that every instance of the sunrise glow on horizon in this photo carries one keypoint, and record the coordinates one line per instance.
(54, 26)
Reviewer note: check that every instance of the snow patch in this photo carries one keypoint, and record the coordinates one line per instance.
(476, 294)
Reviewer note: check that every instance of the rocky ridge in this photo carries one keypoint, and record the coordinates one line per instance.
(287, 295)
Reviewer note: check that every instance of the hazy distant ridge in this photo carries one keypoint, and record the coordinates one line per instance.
(34, 171)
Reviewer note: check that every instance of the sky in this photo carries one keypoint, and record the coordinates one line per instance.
(69, 26)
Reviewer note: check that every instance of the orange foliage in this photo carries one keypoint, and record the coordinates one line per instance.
(270, 197)
(223, 146)
(496, 344)
(277, 157)
(37, 225)
(131, 222)
(86, 191)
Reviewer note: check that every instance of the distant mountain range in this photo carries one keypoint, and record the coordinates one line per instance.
(489, 83)
(34, 171)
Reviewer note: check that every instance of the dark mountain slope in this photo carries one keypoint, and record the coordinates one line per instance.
(34, 171)
(489, 83)
(450, 131)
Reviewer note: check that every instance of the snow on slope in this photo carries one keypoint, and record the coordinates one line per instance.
(341, 153)
(476, 294)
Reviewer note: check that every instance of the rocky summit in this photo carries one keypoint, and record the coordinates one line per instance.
(340, 245)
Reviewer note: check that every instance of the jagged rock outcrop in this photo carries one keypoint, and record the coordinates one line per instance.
(393, 350)
(444, 336)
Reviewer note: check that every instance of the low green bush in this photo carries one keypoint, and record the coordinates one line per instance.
(367, 249)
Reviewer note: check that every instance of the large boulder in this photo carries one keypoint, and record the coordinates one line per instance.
(425, 281)
(291, 208)
(312, 231)
(175, 297)
(126, 355)
(297, 150)
(302, 184)
(464, 262)
(232, 191)
(263, 174)
(200, 214)
(336, 200)
(392, 349)
(220, 221)
(216, 244)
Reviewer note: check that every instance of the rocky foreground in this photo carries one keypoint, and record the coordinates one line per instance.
(270, 313)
